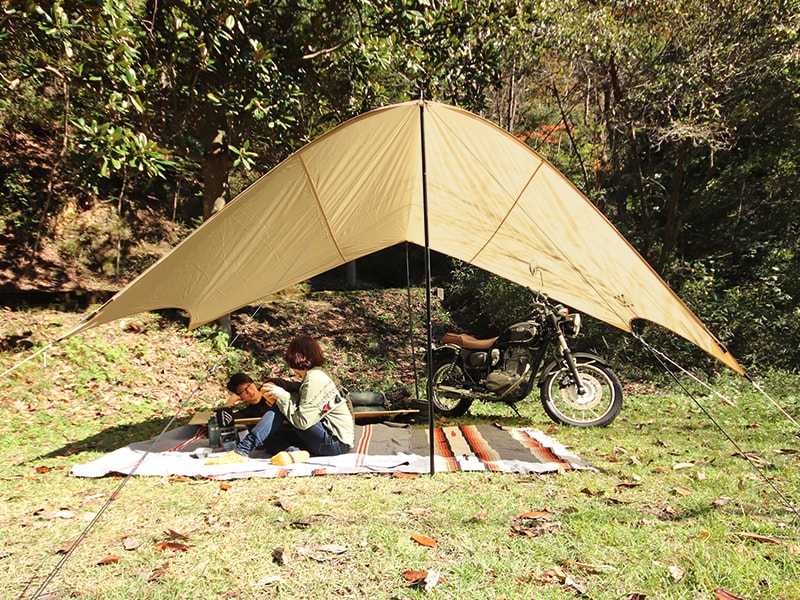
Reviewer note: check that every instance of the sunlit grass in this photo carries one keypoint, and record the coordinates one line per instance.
(674, 511)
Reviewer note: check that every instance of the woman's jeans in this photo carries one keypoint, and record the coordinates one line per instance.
(270, 434)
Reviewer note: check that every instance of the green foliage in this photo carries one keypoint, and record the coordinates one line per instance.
(482, 302)
(679, 122)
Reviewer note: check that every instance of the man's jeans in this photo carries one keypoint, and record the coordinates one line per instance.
(270, 434)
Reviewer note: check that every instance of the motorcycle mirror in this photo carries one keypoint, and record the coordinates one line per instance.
(536, 271)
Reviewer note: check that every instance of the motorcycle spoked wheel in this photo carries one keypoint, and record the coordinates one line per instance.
(598, 406)
(448, 375)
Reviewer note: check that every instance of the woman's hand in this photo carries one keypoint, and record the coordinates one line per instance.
(270, 392)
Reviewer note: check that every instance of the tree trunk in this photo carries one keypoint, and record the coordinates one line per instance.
(216, 193)
(216, 164)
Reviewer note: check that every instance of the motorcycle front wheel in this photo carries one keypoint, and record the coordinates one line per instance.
(597, 406)
(448, 389)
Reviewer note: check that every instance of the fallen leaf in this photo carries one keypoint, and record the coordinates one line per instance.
(282, 556)
(554, 574)
(479, 516)
(225, 486)
(722, 501)
(130, 543)
(681, 491)
(269, 579)
(423, 540)
(619, 501)
(676, 572)
(399, 475)
(793, 549)
(757, 537)
(636, 596)
(158, 572)
(415, 576)
(625, 484)
(723, 595)
(285, 504)
(171, 546)
(684, 465)
(575, 584)
(534, 524)
(334, 548)
(66, 547)
(754, 458)
(423, 577)
(534, 514)
(431, 579)
(108, 560)
(176, 535)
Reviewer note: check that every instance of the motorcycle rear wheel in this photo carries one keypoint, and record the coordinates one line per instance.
(447, 379)
(598, 406)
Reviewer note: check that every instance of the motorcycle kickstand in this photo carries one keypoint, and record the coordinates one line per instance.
(514, 408)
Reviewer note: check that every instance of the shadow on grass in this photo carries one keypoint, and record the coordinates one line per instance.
(113, 438)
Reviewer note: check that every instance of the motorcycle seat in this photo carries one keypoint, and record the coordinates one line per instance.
(467, 341)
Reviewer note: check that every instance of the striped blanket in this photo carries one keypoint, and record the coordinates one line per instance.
(380, 448)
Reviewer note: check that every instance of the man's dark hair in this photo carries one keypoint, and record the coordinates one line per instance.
(236, 380)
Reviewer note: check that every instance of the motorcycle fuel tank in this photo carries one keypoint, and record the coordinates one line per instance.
(524, 333)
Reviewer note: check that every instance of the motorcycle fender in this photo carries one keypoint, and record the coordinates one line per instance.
(445, 350)
(586, 356)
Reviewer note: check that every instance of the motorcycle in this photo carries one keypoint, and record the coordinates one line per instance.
(578, 389)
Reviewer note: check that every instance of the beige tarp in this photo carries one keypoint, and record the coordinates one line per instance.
(492, 202)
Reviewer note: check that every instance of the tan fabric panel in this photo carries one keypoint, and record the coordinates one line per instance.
(492, 202)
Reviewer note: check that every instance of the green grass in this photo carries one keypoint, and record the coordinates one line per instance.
(641, 525)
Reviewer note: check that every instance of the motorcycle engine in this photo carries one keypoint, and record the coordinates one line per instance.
(509, 370)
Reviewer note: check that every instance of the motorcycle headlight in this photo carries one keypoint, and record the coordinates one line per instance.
(572, 325)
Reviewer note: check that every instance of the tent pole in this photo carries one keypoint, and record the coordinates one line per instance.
(429, 346)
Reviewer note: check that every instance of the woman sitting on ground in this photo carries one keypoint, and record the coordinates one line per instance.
(321, 420)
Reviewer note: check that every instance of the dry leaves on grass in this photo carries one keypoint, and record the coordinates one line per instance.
(158, 572)
(130, 543)
(478, 516)
(425, 579)
(424, 540)
(558, 575)
(676, 572)
(322, 553)
(172, 547)
(533, 523)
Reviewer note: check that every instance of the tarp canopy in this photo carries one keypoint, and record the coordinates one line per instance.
(491, 201)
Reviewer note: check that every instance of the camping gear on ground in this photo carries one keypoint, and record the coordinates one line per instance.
(213, 431)
(368, 401)
(578, 389)
(227, 428)
(290, 457)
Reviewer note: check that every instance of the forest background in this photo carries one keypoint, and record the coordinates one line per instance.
(124, 124)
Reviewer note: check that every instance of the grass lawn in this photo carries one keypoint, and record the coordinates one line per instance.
(675, 511)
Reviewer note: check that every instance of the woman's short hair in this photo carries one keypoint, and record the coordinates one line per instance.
(304, 352)
(236, 381)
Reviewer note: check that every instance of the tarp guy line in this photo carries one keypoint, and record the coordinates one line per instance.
(750, 461)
